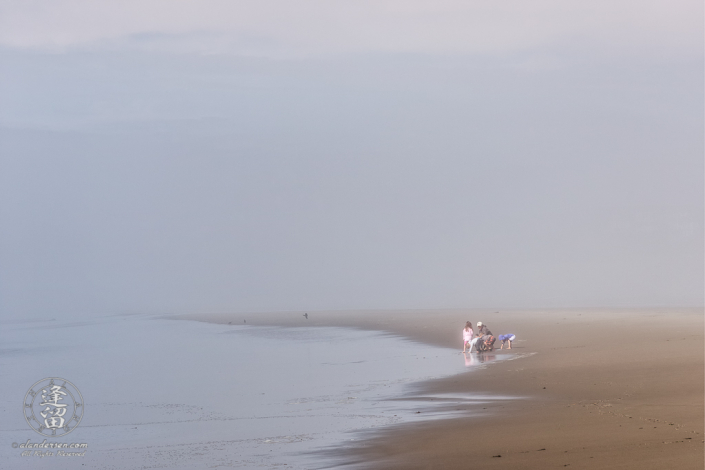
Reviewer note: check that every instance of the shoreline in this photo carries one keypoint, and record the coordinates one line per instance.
(605, 388)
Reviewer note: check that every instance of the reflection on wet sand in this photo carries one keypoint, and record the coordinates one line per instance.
(475, 359)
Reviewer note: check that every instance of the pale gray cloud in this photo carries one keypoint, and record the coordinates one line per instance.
(308, 28)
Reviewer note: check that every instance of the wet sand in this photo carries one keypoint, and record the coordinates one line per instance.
(603, 389)
(188, 394)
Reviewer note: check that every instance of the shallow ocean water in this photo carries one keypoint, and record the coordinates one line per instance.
(179, 394)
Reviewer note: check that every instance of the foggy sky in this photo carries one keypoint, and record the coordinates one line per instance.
(247, 156)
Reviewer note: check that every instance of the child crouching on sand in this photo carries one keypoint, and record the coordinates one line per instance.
(467, 335)
(506, 339)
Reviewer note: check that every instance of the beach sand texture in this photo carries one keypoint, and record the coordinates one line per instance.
(618, 389)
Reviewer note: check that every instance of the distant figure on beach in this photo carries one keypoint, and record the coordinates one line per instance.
(473, 344)
(467, 335)
(506, 339)
(306, 315)
(486, 340)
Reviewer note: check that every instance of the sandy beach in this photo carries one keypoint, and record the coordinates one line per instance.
(601, 388)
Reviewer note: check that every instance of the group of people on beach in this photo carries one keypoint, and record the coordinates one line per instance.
(483, 340)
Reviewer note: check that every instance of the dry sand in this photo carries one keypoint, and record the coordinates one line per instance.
(617, 389)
